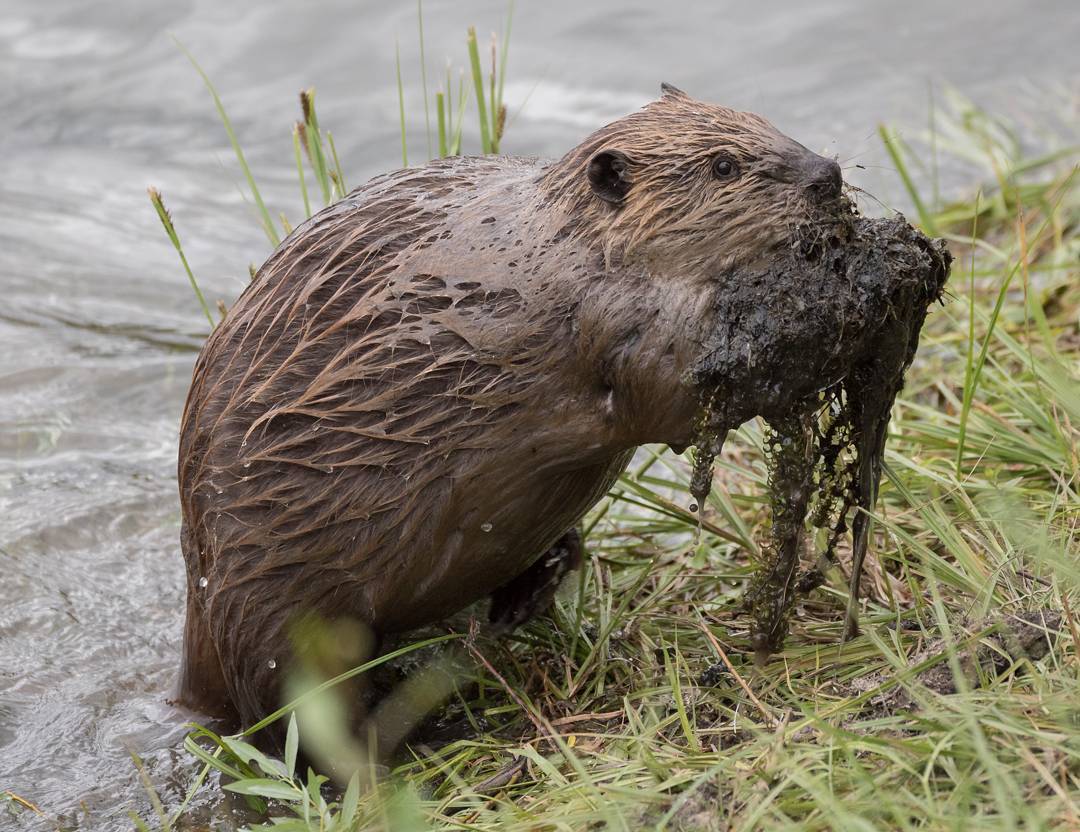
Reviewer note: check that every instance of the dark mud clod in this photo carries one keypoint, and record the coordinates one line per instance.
(1016, 638)
(817, 343)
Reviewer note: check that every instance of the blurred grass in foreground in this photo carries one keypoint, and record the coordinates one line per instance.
(633, 704)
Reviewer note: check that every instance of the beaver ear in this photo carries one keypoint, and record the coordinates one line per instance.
(609, 175)
(670, 91)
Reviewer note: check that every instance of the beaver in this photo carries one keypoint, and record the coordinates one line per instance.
(428, 383)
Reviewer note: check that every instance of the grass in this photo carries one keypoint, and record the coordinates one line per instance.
(634, 705)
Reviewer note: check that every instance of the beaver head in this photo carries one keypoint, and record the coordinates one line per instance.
(688, 186)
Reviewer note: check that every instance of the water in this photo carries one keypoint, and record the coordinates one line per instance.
(98, 328)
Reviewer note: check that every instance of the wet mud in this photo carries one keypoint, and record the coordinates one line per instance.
(1014, 638)
(816, 342)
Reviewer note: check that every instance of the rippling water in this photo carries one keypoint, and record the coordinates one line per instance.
(98, 328)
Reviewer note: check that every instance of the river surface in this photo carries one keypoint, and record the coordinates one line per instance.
(99, 328)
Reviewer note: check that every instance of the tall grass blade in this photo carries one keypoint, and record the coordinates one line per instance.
(340, 178)
(449, 93)
(401, 106)
(463, 100)
(314, 145)
(166, 221)
(151, 792)
(892, 146)
(423, 73)
(491, 92)
(300, 167)
(478, 83)
(502, 57)
(267, 223)
(969, 368)
(440, 110)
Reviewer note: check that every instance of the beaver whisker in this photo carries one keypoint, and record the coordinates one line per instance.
(865, 192)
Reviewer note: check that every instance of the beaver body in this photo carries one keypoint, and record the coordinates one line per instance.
(430, 382)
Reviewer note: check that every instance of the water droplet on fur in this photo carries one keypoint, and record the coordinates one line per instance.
(219, 490)
(271, 664)
(203, 581)
(247, 464)
(485, 527)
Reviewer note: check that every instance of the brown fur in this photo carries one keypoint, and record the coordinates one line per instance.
(429, 382)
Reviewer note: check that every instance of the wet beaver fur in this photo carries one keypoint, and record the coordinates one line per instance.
(429, 383)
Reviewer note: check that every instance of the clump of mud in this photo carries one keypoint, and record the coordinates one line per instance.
(817, 342)
(1028, 635)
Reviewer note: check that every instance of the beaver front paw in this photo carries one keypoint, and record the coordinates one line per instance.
(532, 591)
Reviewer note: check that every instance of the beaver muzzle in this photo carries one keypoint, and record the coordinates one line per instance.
(822, 177)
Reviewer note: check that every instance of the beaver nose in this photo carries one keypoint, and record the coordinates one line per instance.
(823, 178)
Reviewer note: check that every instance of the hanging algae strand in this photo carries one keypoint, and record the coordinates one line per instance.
(813, 456)
(834, 478)
(709, 435)
(791, 453)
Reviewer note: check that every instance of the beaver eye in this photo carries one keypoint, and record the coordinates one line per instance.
(724, 167)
